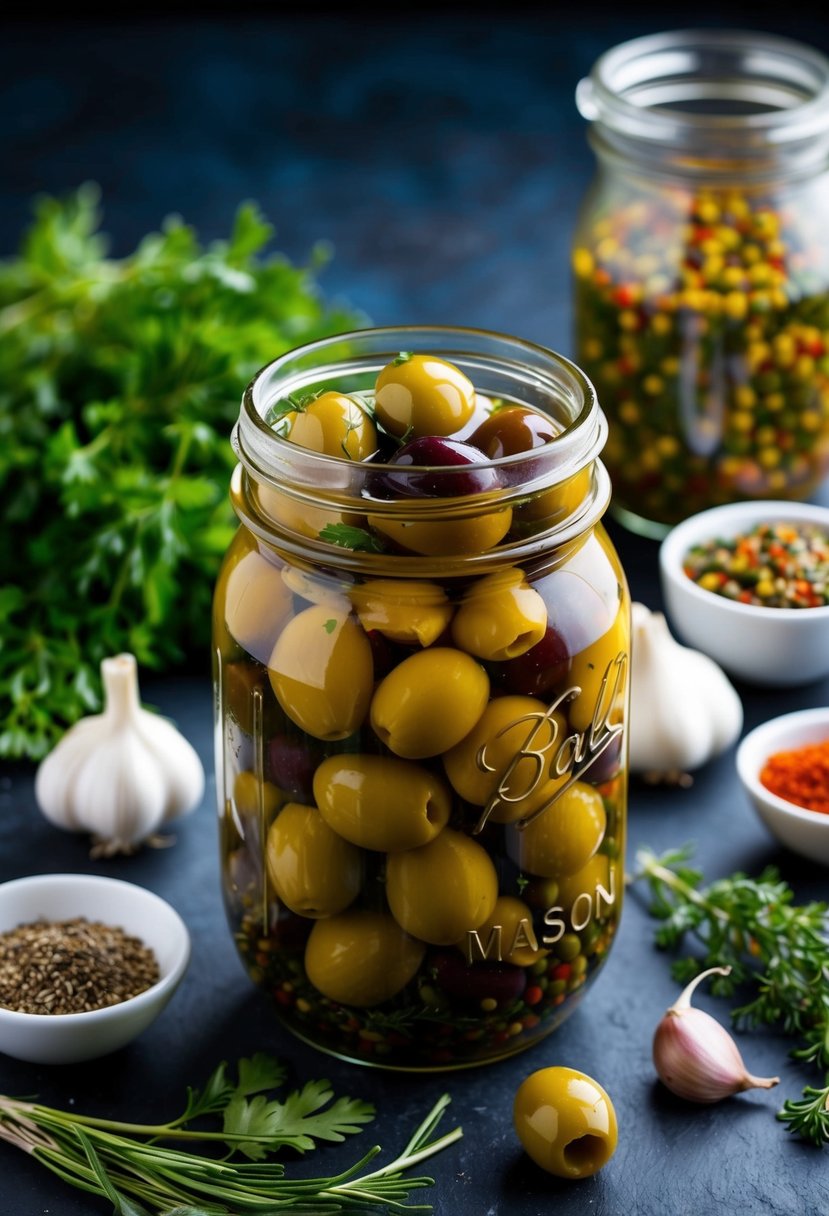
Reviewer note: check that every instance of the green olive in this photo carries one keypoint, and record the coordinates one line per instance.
(564, 837)
(297, 514)
(422, 395)
(257, 604)
(443, 889)
(505, 761)
(559, 502)
(447, 537)
(566, 1122)
(500, 617)
(429, 702)
(404, 610)
(380, 802)
(361, 958)
(314, 871)
(333, 424)
(510, 926)
(589, 668)
(589, 892)
(322, 672)
(253, 798)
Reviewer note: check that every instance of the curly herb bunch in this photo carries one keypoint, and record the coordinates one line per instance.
(121, 380)
(774, 947)
(128, 1164)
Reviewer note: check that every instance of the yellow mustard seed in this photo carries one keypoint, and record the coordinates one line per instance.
(769, 458)
(742, 422)
(745, 396)
(667, 446)
(804, 367)
(735, 305)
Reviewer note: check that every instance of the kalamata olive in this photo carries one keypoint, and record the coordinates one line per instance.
(441, 890)
(314, 871)
(512, 429)
(498, 985)
(322, 673)
(291, 762)
(413, 612)
(563, 838)
(538, 670)
(333, 424)
(507, 935)
(506, 760)
(429, 702)
(432, 466)
(361, 957)
(500, 616)
(423, 395)
(566, 1122)
(607, 763)
(380, 802)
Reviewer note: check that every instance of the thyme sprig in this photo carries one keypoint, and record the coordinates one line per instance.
(777, 949)
(126, 1163)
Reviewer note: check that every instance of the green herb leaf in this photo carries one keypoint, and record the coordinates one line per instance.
(297, 1122)
(349, 537)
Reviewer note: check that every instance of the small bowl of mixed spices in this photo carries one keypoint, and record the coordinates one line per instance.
(86, 964)
(783, 766)
(748, 584)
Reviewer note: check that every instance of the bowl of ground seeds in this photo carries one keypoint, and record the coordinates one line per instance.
(86, 964)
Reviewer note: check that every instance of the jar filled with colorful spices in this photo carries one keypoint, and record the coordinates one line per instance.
(701, 270)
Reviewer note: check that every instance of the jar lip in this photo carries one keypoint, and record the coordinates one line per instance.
(631, 87)
(265, 453)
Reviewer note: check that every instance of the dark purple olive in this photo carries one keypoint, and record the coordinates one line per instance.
(421, 463)
(499, 982)
(291, 764)
(536, 672)
(606, 765)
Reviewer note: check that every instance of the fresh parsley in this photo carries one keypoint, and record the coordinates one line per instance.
(121, 381)
(346, 536)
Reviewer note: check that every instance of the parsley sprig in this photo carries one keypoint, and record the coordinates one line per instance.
(776, 949)
(126, 1163)
(120, 381)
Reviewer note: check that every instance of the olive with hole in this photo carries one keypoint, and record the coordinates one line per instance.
(562, 838)
(565, 1121)
(322, 673)
(410, 611)
(314, 871)
(500, 617)
(381, 802)
(423, 395)
(361, 957)
(441, 890)
(429, 702)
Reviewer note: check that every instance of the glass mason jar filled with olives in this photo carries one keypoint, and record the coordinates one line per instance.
(421, 639)
(701, 270)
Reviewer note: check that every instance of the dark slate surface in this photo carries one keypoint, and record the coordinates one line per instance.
(442, 157)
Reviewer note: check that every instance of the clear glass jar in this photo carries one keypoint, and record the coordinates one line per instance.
(420, 743)
(701, 270)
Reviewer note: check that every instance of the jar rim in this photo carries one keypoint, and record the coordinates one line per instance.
(745, 90)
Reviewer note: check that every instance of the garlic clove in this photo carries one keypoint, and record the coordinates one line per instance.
(695, 1057)
(121, 791)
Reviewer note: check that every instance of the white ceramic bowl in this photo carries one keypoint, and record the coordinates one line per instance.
(71, 1037)
(803, 831)
(772, 647)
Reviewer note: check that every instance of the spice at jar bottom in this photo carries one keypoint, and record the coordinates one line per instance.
(72, 966)
(800, 776)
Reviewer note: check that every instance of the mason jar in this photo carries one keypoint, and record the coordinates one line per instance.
(421, 688)
(701, 270)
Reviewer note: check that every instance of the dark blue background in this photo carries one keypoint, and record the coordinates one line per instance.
(438, 150)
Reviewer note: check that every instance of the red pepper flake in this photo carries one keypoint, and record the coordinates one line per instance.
(800, 775)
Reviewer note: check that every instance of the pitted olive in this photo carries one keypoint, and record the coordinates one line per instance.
(314, 871)
(500, 617)
(361, 958)
(600, 672)
(423, 395)
(380, 802)
(507, 936)
(429, 702)
(441, 890)
(566, 1122)
(333, 424)
(322, 673)
(409, 611)
(506, 760)
(563, 838)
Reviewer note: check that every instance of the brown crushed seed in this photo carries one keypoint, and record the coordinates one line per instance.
(72, 966)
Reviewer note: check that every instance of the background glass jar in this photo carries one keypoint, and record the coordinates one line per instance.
(420, 697)
(701, 270)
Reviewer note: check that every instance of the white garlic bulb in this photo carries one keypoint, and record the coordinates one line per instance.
(120, 774)
(683, 708)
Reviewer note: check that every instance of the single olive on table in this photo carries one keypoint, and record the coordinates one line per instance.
(566, 1122)
(412, 770)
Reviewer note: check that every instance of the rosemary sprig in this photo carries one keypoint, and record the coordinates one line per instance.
(126, 1163)
(776, 948)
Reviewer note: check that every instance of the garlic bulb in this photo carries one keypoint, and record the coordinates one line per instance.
(696, 1057)
(683, 708)
(120, 774)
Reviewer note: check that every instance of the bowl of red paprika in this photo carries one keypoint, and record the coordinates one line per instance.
(783, 766)
(748, 584)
